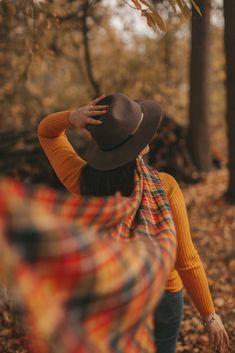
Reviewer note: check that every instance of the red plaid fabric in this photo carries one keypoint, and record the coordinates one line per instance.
(85, 291)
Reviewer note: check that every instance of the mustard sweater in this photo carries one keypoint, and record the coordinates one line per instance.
(67, 164)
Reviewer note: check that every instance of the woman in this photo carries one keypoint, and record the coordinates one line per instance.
(119, 129)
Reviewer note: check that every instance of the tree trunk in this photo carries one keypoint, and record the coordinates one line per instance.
(85, 31)
(168, 43)
(199, 126)
(229, 41)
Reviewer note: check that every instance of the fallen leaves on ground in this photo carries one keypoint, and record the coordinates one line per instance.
(212, 223)
(12, 336)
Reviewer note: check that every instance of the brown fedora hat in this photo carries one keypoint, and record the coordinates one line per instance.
(128, 127)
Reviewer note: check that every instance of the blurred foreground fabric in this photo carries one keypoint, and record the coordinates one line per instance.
(83, 291)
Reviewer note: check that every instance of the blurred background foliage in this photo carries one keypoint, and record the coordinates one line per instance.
(55, 55)
(44, 63)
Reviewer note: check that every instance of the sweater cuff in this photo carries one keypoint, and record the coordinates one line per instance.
(54, 125)
(70, 125)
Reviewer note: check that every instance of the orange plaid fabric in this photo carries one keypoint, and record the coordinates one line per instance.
(83, 290)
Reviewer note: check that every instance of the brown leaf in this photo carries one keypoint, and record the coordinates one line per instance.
(186, 11)
(197, 8)
(173, 2)
(159, 21)
(150, 21)
(137, 4)
(148, 5)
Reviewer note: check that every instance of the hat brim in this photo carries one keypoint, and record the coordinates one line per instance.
(128, 151)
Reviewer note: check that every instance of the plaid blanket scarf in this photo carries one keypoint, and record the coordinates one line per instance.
(83, 290)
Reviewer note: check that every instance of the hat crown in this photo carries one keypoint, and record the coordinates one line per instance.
(119, 123)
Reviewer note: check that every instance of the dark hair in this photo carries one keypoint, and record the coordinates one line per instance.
(95, 182)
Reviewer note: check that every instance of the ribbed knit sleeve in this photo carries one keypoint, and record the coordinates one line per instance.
(61, 155)
(188, 263)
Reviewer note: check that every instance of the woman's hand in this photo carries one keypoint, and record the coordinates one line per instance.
(218, 337)
(80, 117)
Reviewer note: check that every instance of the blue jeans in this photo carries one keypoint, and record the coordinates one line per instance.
(167, 319)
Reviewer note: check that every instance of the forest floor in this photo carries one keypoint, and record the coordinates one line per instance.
(212, 223)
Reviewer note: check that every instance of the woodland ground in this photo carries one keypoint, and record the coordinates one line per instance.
(213, 226)
(212, 223)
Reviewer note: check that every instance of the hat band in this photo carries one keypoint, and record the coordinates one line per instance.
(128, 137)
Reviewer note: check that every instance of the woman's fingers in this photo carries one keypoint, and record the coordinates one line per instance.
(97, 107)
(226, 338)
(224, 342)
(221, 342)
(212, 340)
(218, 336)
(90, 121)
(93, 121)
(97, 112)
(217, 339)
(221, 347)
(97, 100)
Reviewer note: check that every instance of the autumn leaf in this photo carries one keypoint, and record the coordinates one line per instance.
(197, 8)
(159, 21)
(154, 20)
(137, 4)
(173, 3)
(186, 11)
(148, 5)
(151, 22)
(180, 4)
